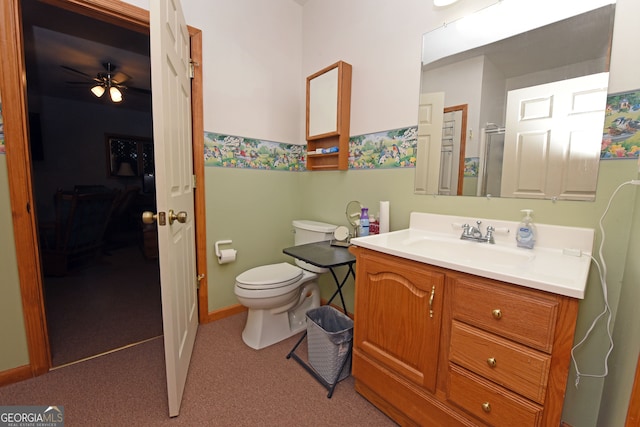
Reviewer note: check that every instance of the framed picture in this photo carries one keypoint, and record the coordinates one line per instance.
(128, 156)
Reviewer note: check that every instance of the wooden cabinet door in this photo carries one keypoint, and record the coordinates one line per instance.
(398, 313)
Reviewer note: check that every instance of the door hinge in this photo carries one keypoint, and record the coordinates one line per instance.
(193, 181)
(192, 68)
(198, 279)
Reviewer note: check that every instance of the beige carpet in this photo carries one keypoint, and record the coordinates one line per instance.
(229, 384)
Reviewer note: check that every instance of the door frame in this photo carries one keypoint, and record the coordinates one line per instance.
(463, 108)
(15, 114)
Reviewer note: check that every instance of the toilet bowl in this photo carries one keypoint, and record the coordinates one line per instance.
(278, 296)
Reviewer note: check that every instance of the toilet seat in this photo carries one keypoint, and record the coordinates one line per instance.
(270, 276)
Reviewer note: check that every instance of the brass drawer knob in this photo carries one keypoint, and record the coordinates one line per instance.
(497, 313)
(491, 362)
(486, 407)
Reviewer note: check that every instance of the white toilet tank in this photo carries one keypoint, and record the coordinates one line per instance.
(311, 231)
(306, 231)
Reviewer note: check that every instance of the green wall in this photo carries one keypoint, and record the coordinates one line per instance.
(626, 336)
(254, 209)
(13, 336)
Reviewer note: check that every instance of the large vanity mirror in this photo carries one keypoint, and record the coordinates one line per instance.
(530, 97)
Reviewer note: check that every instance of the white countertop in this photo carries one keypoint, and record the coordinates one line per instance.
(435, 239)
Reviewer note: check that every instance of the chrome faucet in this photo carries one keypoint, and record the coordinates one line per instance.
(470, 232)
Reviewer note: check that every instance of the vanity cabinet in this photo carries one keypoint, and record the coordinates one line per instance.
(434, 346)
(328, 118)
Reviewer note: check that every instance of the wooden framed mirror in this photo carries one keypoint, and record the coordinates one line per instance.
(328, 117)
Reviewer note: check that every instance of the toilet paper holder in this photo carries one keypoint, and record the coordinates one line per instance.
(225, 255)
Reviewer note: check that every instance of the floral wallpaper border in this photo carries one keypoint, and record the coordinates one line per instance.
(394, 148)
(621, 136)
(230, 151)
(381, 150)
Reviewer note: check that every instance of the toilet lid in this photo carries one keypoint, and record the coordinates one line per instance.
(269, 276)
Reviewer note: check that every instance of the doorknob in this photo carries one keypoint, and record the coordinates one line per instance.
(181, 217)
(149, 217)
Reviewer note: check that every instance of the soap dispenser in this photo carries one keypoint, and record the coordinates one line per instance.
(526, 234)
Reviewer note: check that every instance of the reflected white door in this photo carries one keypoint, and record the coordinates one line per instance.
(171, 87)
(450, 153)
(430, 117)
(553, 138)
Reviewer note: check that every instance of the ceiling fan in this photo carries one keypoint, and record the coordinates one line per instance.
(110, 82)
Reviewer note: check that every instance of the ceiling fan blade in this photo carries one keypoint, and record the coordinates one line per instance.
(73, 70)
(81, 83)
(120, 77)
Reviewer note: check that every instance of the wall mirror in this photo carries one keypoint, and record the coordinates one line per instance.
(129, 156)
(520, 73)
(323, 103)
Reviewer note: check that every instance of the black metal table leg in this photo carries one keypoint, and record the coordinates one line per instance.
(291, 353)
(329, 386)
(340, 284)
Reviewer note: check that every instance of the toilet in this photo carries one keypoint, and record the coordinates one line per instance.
(278, 296)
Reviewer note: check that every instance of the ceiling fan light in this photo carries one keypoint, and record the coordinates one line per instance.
(98, 90)
(115, 94)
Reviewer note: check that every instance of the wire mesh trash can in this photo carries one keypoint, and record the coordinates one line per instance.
(329, 341)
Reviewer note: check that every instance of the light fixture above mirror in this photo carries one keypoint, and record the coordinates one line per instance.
(443, 3)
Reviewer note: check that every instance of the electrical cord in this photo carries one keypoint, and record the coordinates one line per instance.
(603, 281)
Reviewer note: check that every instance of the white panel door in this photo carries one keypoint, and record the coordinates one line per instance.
(171, 87)
(553, 136)
(450, 153)
(430, 118)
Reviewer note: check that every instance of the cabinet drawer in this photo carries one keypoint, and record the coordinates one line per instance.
(520, 314)
(490, 403)
(511, 365)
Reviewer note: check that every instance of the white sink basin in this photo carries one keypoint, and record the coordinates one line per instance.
(468, 251)
(435, 239)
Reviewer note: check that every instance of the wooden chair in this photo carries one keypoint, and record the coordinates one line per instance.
(78, 233)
